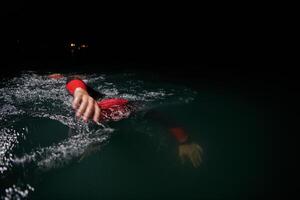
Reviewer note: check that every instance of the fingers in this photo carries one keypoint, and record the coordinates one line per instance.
(199, 148)
(83, 105)
(89, 109)
(193, 162)
(197, 155)
(196, 160)
(76, 101)
(86, 107)
(199, 152)
(79, 95)
(193, 153)
(96, 113)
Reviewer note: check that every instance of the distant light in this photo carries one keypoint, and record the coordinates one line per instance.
(84, 46)
(72, 45)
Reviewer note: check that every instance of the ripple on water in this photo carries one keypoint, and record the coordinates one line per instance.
(35, 96)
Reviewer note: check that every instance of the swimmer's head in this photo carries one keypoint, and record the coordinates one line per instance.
(55, 76)
(81, 77)
(59, 76)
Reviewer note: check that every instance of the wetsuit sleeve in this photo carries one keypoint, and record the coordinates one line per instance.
(72, 85)
(175, 129)
(75, 82)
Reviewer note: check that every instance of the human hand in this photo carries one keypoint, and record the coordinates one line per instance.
(86, 107)
(191, 152)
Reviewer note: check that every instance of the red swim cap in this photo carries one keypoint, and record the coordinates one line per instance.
(55, 76)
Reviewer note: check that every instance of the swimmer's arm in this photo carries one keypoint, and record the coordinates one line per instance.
(174, 128)
(186, 148)
(75, 81)
(83, 103)
(92, 92)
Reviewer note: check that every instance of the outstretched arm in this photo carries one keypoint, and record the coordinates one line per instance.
(186, 148)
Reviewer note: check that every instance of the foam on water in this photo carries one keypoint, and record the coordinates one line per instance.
(35, 96)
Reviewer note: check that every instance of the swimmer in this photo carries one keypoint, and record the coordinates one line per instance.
(92, 105)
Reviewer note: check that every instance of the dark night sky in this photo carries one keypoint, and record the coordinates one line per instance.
(149, 32)
(146, 32)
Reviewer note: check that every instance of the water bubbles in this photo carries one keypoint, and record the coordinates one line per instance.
(2, 169)
(35, 96)
(17, 192)
(111, 92)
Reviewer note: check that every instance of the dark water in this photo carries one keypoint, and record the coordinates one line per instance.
(42, 144)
